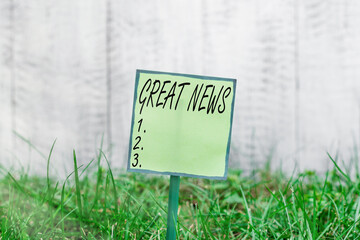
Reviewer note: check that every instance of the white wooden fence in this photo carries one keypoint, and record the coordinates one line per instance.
(67, 71)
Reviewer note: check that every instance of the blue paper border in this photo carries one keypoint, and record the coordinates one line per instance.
(138, 71)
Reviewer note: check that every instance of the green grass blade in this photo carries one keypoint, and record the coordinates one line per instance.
(48, 165)
(77, 186)
(98, 173)
(339, 169)
(115, 195)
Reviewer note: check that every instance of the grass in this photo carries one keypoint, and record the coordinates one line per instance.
(94, 203)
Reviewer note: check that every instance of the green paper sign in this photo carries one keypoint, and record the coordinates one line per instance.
(181, 124)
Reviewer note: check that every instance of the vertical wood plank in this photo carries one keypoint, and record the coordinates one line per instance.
(253, 42)
(6, 139)
(329, 88)
(60, 69)
(149, 35)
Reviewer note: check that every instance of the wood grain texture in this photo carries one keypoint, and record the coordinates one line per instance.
(6, 140)
(59, 72)
(329, 100)
(68, 70)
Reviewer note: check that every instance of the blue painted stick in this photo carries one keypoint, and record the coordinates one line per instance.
(173, 207)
